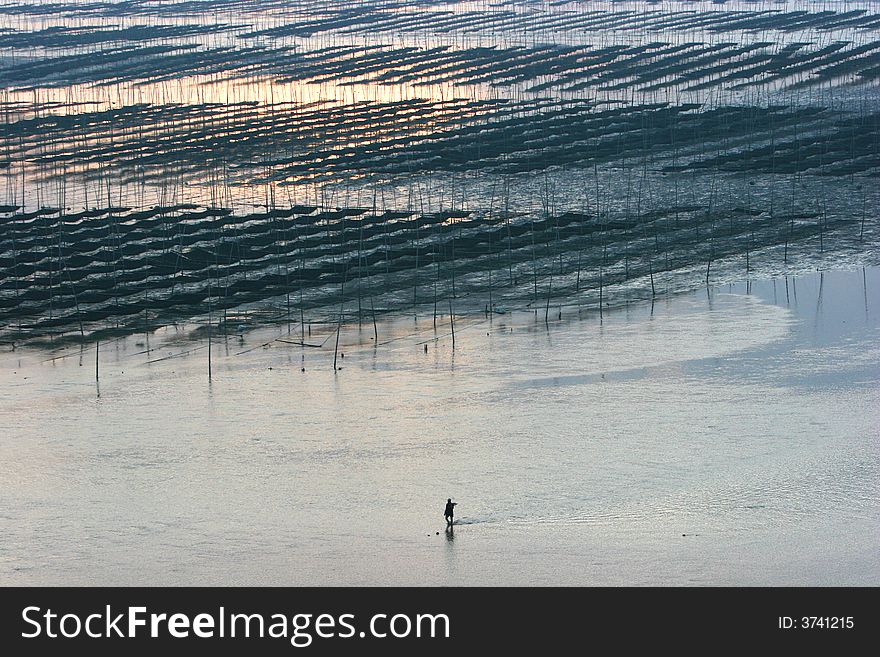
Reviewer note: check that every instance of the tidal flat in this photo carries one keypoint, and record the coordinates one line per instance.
(727, 436)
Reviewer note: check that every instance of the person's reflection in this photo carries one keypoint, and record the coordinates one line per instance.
(450, 534)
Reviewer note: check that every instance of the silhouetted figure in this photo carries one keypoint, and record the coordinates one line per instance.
(449, 512)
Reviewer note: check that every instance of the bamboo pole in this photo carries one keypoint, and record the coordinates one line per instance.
(452, 323)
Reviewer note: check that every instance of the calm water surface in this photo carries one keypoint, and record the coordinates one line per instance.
(723, 437)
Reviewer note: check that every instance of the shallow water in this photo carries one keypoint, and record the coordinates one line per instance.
(727, 436)
(78, 87)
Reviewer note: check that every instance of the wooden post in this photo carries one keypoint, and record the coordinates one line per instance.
(339, 323)
(452, 323)
(547, 308)
(210, 325)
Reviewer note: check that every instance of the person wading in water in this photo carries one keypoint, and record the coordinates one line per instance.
(450, 510)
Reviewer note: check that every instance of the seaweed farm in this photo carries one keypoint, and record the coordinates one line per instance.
(298, 162)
